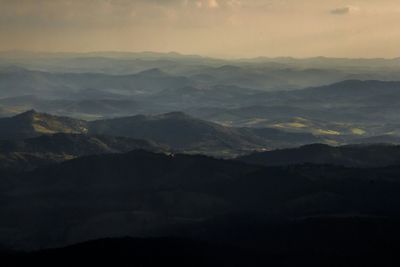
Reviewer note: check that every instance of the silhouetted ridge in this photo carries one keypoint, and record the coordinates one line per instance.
(173, 115)
(152, 72)
(362, 87)
(27, 114)
(364, 155)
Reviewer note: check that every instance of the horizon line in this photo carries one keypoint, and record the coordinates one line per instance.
(194, 55)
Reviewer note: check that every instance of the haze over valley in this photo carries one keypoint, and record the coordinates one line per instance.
(199, 133)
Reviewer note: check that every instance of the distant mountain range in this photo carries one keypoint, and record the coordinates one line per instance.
(61, 76)
(114, 61)
(19, 82)
(353, 109)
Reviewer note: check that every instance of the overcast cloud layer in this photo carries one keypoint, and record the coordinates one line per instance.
(224, 28)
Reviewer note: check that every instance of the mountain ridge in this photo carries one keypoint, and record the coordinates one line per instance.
(355, 155)
(27, 154)
(175, 129)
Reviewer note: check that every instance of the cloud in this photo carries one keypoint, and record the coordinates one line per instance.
(189, 3)
(344, 10)
(213, 4)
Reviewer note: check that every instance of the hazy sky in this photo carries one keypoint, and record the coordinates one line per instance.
(224, 28)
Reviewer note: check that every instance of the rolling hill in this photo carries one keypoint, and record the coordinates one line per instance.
(176, 130)
(32, 124)
(26, 154)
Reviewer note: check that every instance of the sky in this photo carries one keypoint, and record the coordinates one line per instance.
(218, 28)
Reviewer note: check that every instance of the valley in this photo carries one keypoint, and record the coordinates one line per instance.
(235, 162)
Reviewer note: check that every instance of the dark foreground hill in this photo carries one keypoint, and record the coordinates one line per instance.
(372, 155)
(146, 194)
(313, 242)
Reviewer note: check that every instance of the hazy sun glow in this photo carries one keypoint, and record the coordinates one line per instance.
(224, 28)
